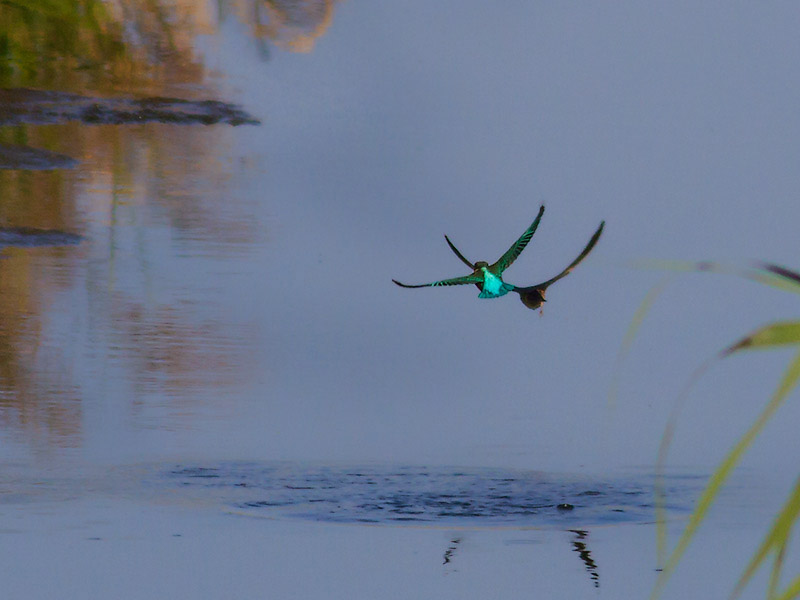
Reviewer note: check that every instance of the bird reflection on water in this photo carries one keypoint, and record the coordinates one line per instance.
(580, 546)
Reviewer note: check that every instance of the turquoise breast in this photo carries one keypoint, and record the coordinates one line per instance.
(493, 286)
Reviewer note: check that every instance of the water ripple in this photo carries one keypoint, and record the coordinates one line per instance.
(431, 495)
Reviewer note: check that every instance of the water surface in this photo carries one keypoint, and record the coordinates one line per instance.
(434, 496)
(219, 297)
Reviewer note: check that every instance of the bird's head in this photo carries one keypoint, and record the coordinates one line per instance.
(532, 297)
(480, 264)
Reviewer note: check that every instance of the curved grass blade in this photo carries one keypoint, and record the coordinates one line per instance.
(776, 539)
(659, 489)
(764, 273)
(723, 471)
(775, 574)
(784, 274)
(769, 336)
(630, 335)
(792, 590)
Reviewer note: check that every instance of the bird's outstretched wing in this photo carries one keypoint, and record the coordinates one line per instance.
(455, 281)
(575, 262)
(512, 253)
(458, 254)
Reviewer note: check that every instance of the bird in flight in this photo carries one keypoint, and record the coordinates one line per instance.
(533, 296)
(488, 278)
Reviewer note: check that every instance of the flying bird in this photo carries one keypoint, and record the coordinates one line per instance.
(531, 296)
(488, 278)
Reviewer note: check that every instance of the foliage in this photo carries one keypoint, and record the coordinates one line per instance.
(41, 38)
(782, 333)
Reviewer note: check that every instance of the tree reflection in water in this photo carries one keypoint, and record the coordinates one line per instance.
(124, 316)
(138, 45)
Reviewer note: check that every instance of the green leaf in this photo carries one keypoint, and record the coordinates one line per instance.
(776, 334)
(791, 591)
(765, 273)
(631, 333)
(787, 276)
(723, 471)
(776, 539)
(661, 460)
(775, 574)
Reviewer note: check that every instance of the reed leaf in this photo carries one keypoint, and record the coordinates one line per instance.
(775, 540)
(769, 336)
(792, 590)
(764, 273)
(661, 461)
(723, 471)
(775, 574)
(787, 276)
(631, 333)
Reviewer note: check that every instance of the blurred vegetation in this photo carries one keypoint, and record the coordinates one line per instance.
(775, 335)
(55, 43)
(138, 45)
(131, 184)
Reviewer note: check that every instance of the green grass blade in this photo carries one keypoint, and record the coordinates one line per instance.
(776, 539)
(630, 336)
(775, 574)
(764, 273)
(723, 471)
(661, 460)
(776, 334)
(686, 266)
(792, 590)
(790, 278)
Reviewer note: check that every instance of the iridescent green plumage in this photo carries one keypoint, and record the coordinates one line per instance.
(489, 278)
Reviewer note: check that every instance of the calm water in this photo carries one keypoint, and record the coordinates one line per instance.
(221, 293)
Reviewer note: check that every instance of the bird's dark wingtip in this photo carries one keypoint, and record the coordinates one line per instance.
(405, 285)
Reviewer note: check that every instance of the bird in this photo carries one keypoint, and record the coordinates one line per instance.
(488, 278)
(532, 296)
